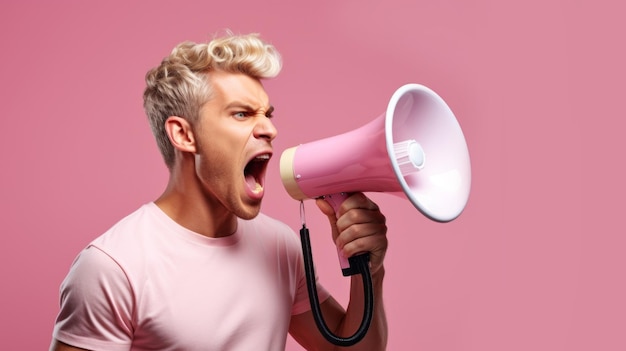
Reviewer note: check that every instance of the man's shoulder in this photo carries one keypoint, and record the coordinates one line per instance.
(127, 240)
(141, 220)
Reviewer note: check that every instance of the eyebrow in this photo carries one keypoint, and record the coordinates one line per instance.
(248, 107)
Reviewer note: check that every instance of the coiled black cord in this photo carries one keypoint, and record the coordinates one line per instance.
(360, 263)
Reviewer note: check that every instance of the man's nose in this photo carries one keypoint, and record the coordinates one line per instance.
(265, 129)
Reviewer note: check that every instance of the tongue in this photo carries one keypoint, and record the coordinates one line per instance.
(252, 184)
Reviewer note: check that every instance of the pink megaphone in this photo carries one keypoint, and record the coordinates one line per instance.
(416, 149)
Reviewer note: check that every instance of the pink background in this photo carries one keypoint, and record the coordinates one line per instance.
(536, 261)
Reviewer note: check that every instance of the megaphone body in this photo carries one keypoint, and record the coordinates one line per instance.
(416, 149)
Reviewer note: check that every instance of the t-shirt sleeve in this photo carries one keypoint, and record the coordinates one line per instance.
(96, 304)
(301, 302)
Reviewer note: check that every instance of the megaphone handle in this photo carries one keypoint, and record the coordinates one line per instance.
(335, 200)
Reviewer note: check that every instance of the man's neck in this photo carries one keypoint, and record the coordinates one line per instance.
(197, 213)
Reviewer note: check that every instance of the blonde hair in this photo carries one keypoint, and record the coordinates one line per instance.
(179, 85)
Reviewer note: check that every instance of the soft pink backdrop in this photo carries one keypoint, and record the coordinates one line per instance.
(536, 262)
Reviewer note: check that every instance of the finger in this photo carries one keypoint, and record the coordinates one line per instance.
(355, 233)
(357, 216)
(376, 245)
(325, 207)
(355, 201)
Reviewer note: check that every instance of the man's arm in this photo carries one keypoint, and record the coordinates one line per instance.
(344, 323)
(358, 227)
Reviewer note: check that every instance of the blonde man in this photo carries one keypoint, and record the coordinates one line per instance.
(200, 268)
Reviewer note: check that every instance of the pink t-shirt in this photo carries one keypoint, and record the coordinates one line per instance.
(150, 284)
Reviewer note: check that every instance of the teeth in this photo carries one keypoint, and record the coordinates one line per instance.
(262, 157)
(258, 188)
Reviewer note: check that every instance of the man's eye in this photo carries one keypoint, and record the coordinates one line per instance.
(240, 115)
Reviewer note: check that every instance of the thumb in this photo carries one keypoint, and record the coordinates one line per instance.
(325, 207)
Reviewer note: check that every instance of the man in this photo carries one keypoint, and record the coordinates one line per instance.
(201, 268)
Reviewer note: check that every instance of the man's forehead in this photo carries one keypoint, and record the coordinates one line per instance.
(239, 89)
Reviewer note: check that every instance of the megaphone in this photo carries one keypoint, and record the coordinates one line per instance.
(415, 149)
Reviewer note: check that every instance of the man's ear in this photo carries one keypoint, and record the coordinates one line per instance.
(180, 133)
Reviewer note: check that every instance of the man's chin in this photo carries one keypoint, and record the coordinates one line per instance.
(249, 212)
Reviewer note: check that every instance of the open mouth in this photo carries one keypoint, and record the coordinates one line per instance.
(254, 172)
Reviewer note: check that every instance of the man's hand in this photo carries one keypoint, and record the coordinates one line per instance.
(358, 227)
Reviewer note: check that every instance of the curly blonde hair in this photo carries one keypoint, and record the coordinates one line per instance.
(179, 85)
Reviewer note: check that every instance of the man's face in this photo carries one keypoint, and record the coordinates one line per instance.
(233, 135)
